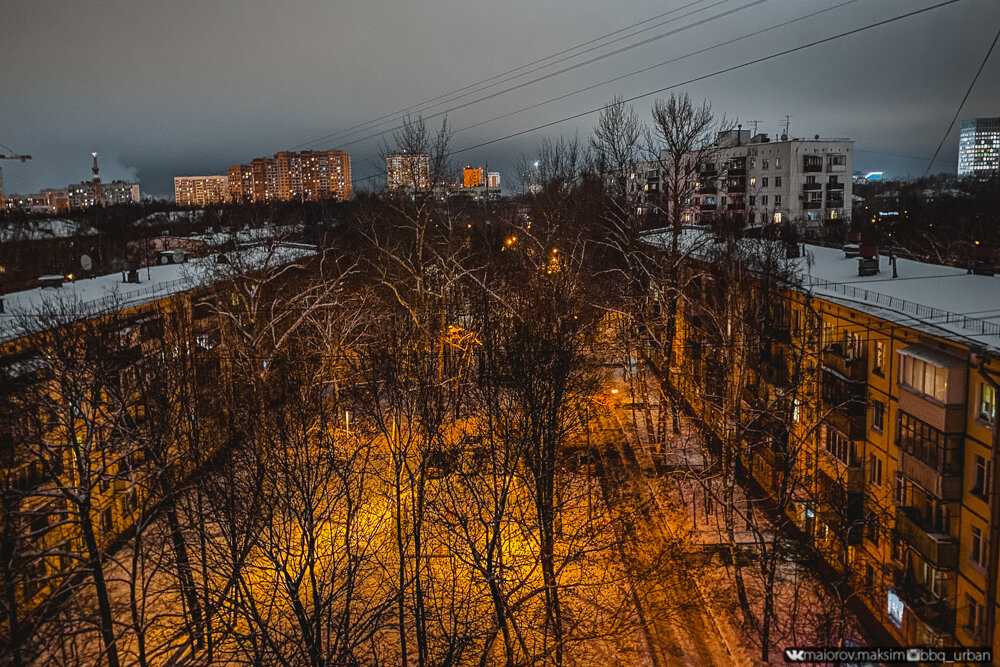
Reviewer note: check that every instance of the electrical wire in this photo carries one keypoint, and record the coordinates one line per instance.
(719, 72)
(972, 84)
(559, 72)
(413, 107)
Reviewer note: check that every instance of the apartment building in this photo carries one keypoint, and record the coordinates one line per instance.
(408, 172)
(326, 175)
(201, 190)
(473, 177)
(240, 180)
(804, 181)
(979, 147)
(120, 324)
(292, 176)
(263, 180)
(894, 420)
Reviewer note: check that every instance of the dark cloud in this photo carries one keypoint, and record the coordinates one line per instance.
(190, 86)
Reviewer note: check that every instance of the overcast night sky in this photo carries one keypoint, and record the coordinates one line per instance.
(189, 87)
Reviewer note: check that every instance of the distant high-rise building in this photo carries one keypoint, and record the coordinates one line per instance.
(201, 190)
(408, 171)
(121, 192)
(292, 176)
(240, 184)
(806, 181)
(263, 180)
(473, 177)
(96, 193)
(979, 147)
(326, 175)
(493, 180)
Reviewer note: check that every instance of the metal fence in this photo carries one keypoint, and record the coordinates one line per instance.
(918, 310)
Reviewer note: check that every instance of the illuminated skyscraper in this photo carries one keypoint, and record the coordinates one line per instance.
(979, 147)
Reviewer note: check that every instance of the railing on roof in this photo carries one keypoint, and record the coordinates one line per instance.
(918, 310)
(118, 300)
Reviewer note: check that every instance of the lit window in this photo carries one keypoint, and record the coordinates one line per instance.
(987, 402)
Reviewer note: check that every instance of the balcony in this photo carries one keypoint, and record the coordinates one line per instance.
(834, 200)
(835, 187)
(737, 171)
(809, 187)
(836, 167)
(933, 612)
(849, 476)
(812, 164)
(853, 367)
(812, 204)
(937, 548)
(945, 484)
(24, 478)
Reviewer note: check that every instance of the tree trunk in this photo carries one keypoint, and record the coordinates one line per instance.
(95, 561)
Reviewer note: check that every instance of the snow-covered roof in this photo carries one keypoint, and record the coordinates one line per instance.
(249, 235)
(41, 230)
(940, 300)
(88, 297)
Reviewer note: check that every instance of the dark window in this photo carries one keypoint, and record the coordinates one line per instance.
(981, 485)
(878, 416)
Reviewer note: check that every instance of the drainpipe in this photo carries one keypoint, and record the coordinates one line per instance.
(994, 543)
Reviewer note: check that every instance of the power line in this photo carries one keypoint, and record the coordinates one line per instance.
(961, 104)
(703, 77)
(725, 70)
(659, 64)
(511, 71)
(564, 70)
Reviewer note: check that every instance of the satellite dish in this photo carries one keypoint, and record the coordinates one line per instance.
(86, 263)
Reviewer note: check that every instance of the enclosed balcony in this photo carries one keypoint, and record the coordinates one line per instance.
(930, 458)
(809, 187)
(939, 549)
(812, 163)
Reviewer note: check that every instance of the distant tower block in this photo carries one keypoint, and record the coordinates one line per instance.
(95, 169)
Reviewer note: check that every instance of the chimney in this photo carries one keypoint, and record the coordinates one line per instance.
(868, 263)
(739, 133)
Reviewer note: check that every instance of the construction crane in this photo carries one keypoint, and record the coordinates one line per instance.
(11, 155)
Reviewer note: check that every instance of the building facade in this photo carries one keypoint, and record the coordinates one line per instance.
(472, 177)
(979, 147)
(408, 172)
(292, 176)
(892, 433)
(110, 461)
(201, 190)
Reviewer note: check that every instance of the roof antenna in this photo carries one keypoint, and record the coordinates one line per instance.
(788, 124)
